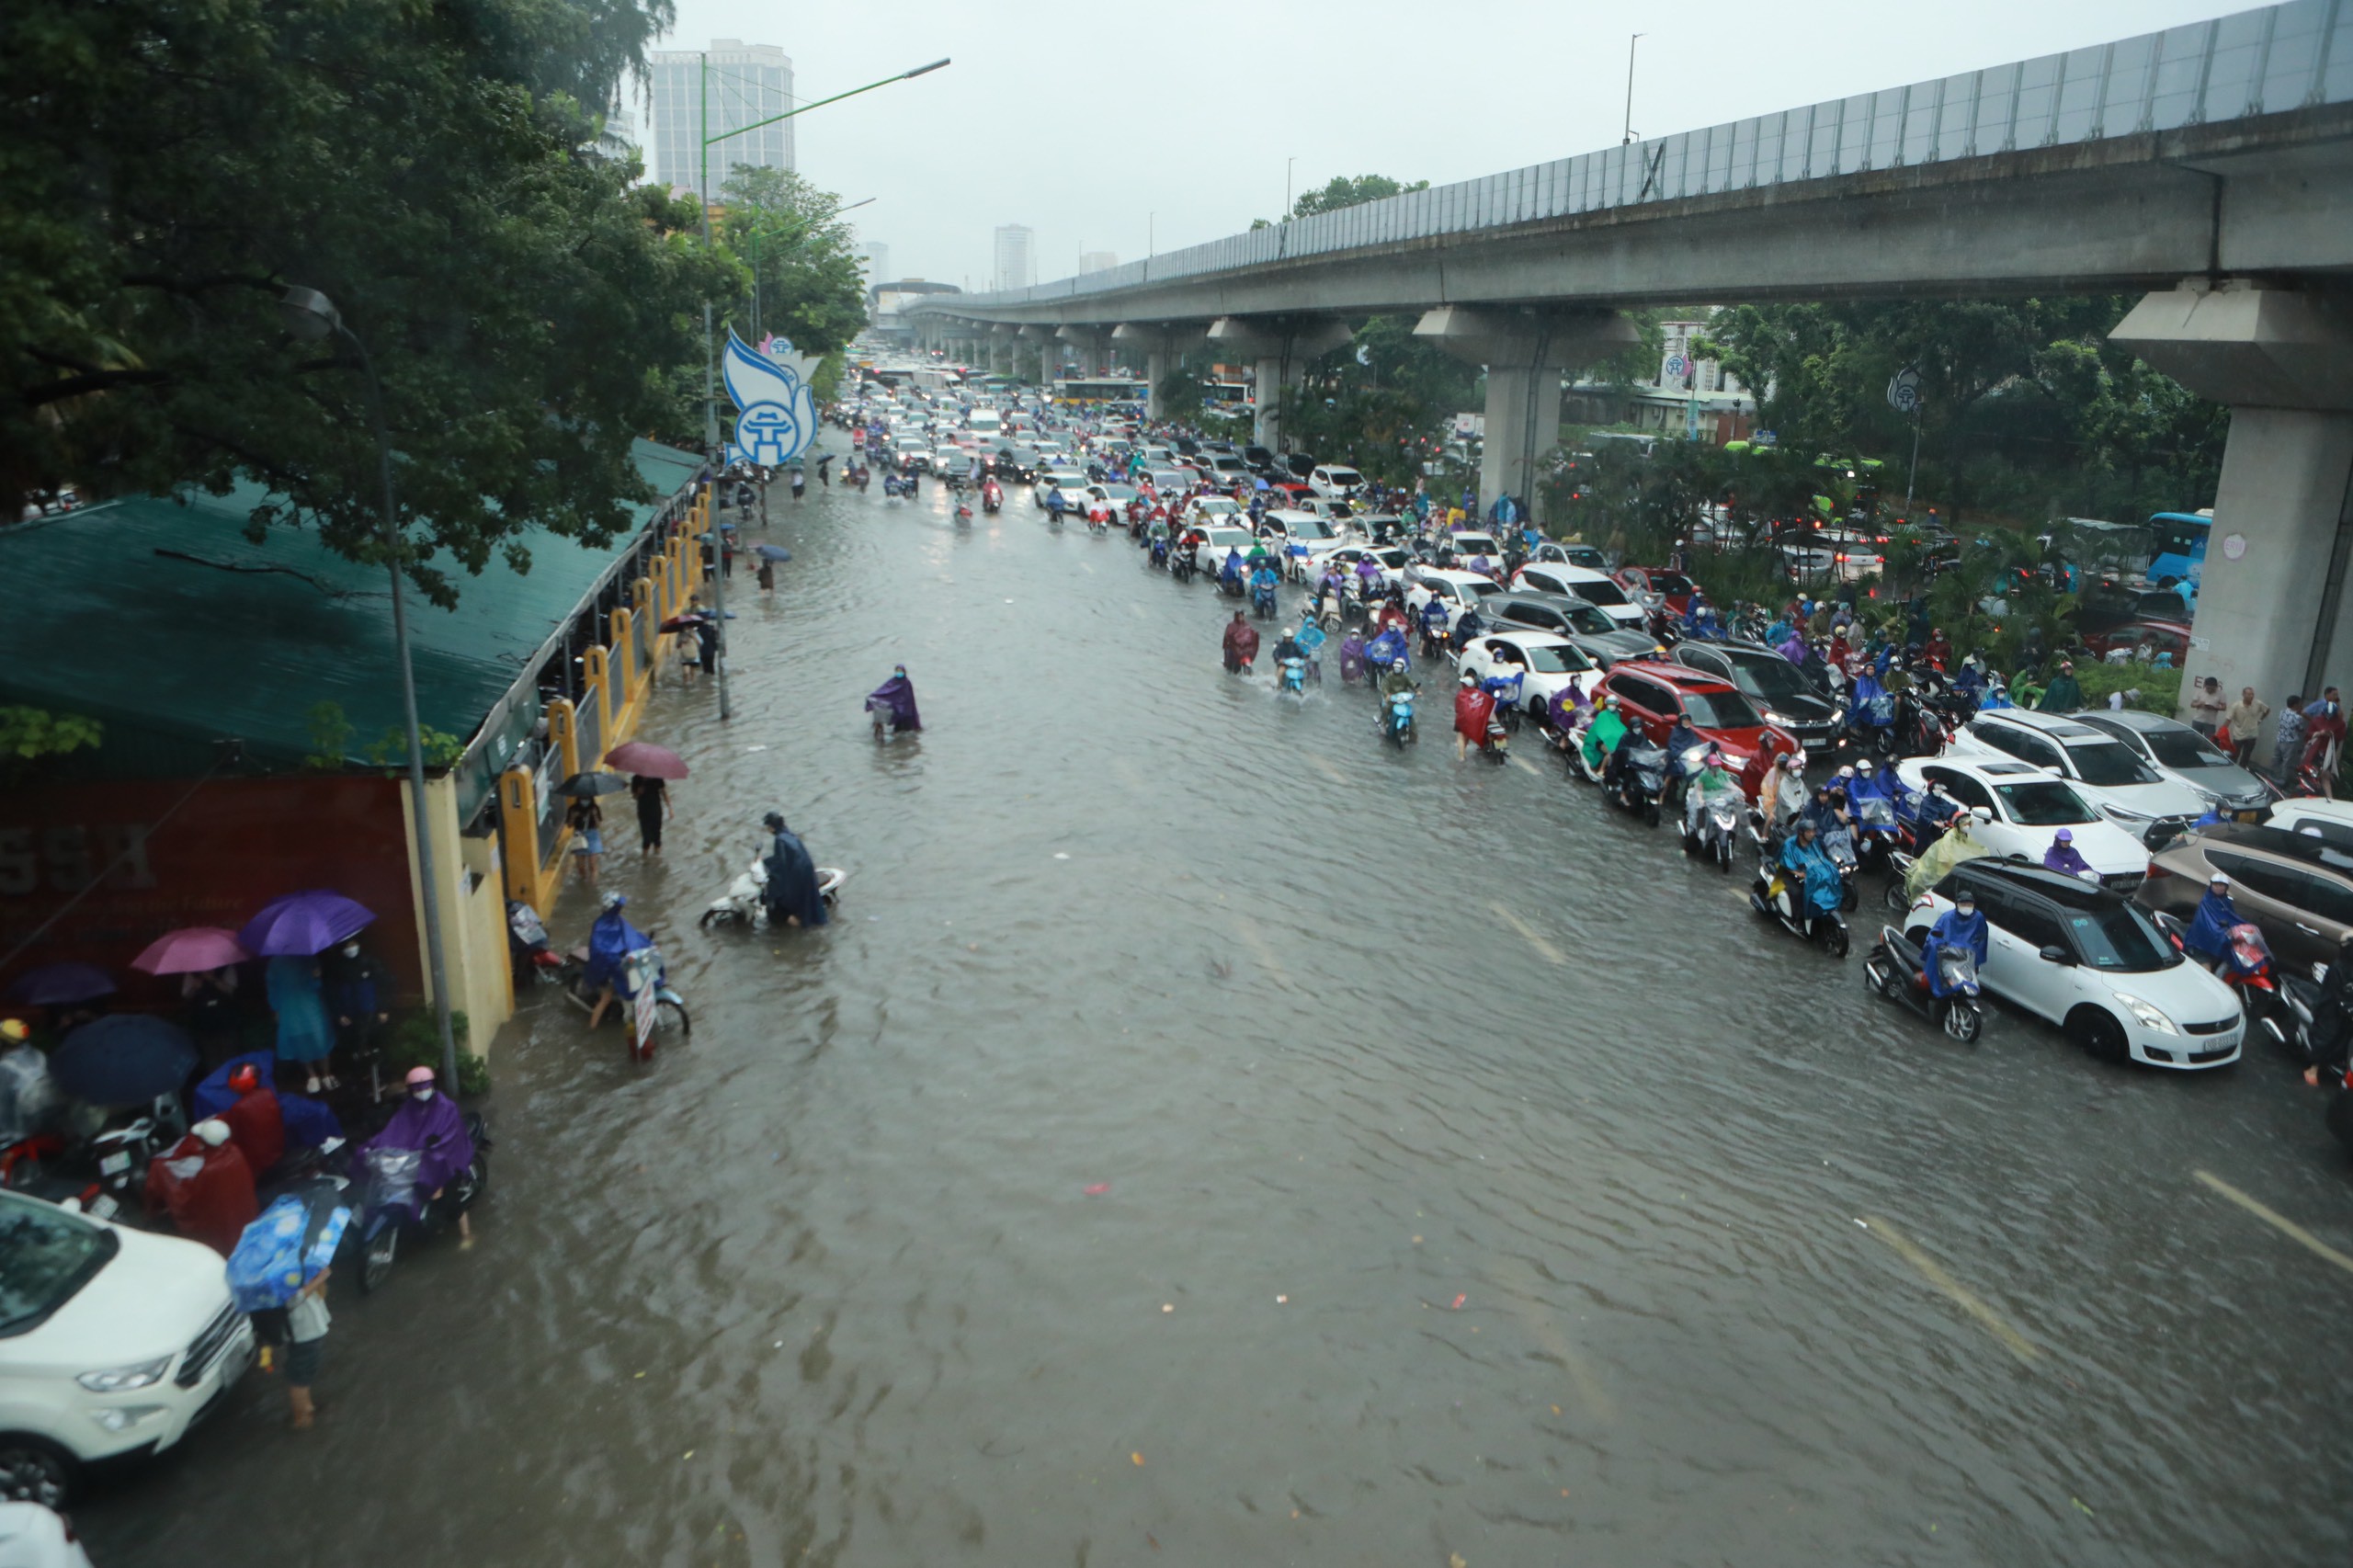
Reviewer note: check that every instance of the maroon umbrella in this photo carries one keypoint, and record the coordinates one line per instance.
(191, 951)
(646, 758)
(303, 924)
(50, 984)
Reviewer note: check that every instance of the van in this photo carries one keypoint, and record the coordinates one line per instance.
(985, 422)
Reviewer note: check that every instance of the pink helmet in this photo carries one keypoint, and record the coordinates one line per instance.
(420, 1075)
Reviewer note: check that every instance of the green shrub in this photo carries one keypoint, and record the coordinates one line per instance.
(2160, 690)
(414, 1041)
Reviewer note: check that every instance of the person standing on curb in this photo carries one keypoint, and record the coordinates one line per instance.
(586, 820)
(2288, 741)
(307, 1322)
(2206, 706)
(2242, 725)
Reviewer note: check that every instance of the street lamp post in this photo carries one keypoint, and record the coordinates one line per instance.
(1629, 89)
(311, 314)
(711, 347)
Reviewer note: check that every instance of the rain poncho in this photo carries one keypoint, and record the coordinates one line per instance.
(2065, 860)
(309, 1122)
(1387, 649)
(1351, 656)
(436, 1130)
(1241, 643)
(791, 891)
(1601, 737)
(284, 1250)
(896, 697)
(2209, 935)
(1471, 706)
(1954, 929)
(1311, 640)
(296, 997)
(1806, 861)
(610, 940)
(207, 1191)
(1941, 857)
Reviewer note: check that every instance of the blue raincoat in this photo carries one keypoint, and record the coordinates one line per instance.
(1953, 929)
(1824, 891)
(1387, 649)
(2209, 935)
(611, 940)
(793, 881)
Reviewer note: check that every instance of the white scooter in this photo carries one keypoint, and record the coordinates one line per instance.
(744, 902)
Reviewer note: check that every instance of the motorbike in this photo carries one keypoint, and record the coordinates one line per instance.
(1719, 826)
(744, 904)
(892, 487)
(1181, 565)
(1641, 776)
(1895, 970)
(1055, 519)
(1159, 553)
(1876, 832)
(1294, 677)
(385, 1204)
(1775, 896)
(1262, 601)
(1098, 523)
(1495, 743)
(643, 967)
(1397, 718)
(992, 498)
(963, 514)
(1838, 842)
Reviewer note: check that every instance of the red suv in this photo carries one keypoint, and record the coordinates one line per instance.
(1653, 696)
(1667, 584)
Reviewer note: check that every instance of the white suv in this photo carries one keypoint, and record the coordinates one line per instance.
(1335, 483)
(113, 1342)
(2103, 770)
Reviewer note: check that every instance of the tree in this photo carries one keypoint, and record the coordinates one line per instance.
(167, 169)
(1342, 191)
(785, 231)
(1378, 404)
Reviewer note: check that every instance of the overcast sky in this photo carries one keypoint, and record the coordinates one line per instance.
(1104, 126)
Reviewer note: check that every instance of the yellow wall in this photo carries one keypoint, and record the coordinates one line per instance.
(472, 905)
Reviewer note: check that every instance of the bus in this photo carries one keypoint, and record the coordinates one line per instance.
(1226, 396)
(1104, 390)
(2178, 550)
(931, 379)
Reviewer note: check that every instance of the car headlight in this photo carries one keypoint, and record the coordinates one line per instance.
(123, 1417)
(1838, 715)
(2151, 1017)
(122, 1379)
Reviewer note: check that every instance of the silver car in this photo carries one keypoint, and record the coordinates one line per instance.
(2184, 755)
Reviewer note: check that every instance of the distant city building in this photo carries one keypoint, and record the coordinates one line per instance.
(1016, 250)
(1097, 261)
(621, 126)
(876, 256)
(748, 83)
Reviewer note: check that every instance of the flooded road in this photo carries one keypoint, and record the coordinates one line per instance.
(1478, 1178)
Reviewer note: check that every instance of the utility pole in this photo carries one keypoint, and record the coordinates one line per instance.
(1286, 164)
(1630, 90)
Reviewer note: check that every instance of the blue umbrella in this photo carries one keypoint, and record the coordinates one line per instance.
(126, 1058)
(53, 983)
(303, 924)
(771, 553)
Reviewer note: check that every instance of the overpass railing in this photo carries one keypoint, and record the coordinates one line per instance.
(2281, 57)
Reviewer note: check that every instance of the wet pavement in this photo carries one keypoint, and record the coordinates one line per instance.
(1478, 1178)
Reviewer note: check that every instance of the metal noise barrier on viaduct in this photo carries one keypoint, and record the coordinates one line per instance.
(2282, 56)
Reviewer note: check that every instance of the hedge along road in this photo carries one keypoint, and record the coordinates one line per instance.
(1205, 1129)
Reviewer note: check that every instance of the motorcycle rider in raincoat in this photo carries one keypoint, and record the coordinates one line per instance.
(2064, 857)
(1387, 649)
(1230, 573)
(1241, 644)
(894, 699)
(1601, 737)
(1471, 707)
(429, 1122)
(1963, 925)
(1311, 640)
(1352, 657)
(610, 940)
(1803, 860)
(2208, 939)
(1958, 843)
(1712, 782)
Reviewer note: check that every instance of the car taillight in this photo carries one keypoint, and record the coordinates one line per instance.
(2156, 871)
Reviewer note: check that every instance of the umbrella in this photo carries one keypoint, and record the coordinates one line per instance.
(640, 757)
(771, 553)
(123, 1060)
(51, 984)
(303, 924)
(191, 951)
(588, 785)
(680, 622)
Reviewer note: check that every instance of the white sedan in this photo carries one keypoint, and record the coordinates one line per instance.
(1209, 554)
(1553, 663)
(1392, 560)
(1595, 588)
(1069, 482)
(2021, 809)
(1456, 590)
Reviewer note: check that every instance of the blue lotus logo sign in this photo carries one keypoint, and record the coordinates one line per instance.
(776, 415)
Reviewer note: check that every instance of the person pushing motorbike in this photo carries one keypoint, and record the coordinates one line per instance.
(791, 893)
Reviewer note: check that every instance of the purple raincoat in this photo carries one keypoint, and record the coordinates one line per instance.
(896, 697)
(438, 1129)
(1352, 657)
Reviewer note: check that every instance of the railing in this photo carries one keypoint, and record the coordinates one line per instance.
(2281, 57)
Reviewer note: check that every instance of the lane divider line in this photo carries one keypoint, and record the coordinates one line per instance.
(1550, 953)
(2276, 1221)
(1968, 1301)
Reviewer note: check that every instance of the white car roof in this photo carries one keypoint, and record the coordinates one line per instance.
(1448, 574)
(2058, 726)
(1527, 636)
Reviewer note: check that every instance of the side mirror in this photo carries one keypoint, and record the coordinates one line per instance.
(2056, 954)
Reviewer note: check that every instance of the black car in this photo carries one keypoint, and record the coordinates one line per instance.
(1572, 618)
(1770, 681)
(1259, 460)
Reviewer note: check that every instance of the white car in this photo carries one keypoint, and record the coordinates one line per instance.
(2187, 757)
(2103, 770)
(1070, 481)
(1457, 590)
(2021, 809)
(1553, 663)
(1209, 554)
(1208, 509)
(1170, 482)
(2092, 962)
(1595, 588)
(113, 1342)
(2331, 821)
(1335, 482)
(1473, 542)
(1391, 560)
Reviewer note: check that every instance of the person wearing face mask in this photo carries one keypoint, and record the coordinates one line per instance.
(361, 990)
(430, 1123)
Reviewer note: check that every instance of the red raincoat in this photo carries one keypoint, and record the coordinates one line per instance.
(1471, 706)
(1241, 643)
(208, 1192)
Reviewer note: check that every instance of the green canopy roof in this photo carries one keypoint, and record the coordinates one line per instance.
(158, 616)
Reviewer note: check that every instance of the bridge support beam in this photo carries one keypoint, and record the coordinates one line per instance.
(1280, 348)
(1525, 353)
(1088, 341)
(1002, 350)
(2273, 611)
(1161, 344)
(1039, 341)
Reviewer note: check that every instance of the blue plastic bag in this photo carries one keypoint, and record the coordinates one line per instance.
(283, 1250)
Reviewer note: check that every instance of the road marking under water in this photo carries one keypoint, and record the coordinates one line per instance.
(1333, 774)
(1550, 953)
(2278, 1222)
(1934, 1273)
(1258, 945)
(1523, 762)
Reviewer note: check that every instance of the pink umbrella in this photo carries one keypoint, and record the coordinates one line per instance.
(191, 951)
(653, 761)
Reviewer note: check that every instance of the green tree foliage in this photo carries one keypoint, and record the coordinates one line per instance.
(783, 230)
(167, 168)
(29, 733)
(2027, 409)
(1342, 191)
(1381, 403)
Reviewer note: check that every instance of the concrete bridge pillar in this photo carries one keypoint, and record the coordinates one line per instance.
(1161, 344)
(1001, 350)
(1280, 348)
(2274, 610)
(1039, 341)
(1525, 353)
(1088, 342)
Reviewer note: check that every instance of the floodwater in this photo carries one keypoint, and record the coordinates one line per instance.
(1478, 1179)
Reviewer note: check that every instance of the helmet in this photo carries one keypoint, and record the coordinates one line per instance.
(14, 1032)
(419, 1076)
(2065, 836)
(611, 902)
(244, 1080)
(1865, 768)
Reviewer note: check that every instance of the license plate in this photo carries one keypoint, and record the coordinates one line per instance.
(114, 1163)
(2250, 816)
(104, 1206)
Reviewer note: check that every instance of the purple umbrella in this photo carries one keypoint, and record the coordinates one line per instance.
(303, 924)
(51, 984)
(191, 950)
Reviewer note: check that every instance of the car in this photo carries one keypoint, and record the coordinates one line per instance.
(1205, 510)
(2021, 809)
(1070, 481)
(1257, 459)
(2298, 887)
(1118, 495)
(911, 454)
(114, 1342)
(2088, 959)
(1295, 526)
(1209, 554)
(2187, 757)
(1770, 681)
(1652, 694)
(1595, 588)
(1225, 468)
(1167, 482)
(2105, 771)
(1014, 465)
(1554, 553)
(1471, 543)
(1335, 482)
(2317, 818)
(1457, 590)
(2157, 636)
(1392, 560)
(1572, 618)
(1551, 664)
(1656, 584)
